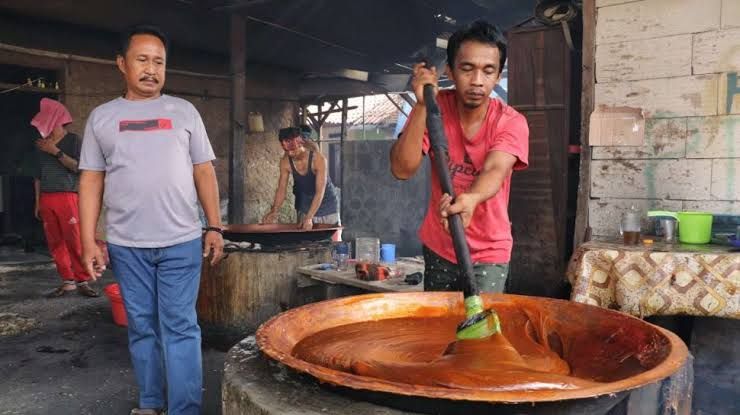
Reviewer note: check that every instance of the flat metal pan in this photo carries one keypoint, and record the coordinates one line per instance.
(278, 234)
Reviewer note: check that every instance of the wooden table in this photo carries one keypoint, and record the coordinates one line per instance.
(405, 266)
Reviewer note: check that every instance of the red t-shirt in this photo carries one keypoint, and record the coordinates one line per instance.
(489, 233)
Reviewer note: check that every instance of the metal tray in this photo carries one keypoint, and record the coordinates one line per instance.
(278, 234)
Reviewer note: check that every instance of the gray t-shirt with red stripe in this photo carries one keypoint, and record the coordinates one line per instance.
(147, 150)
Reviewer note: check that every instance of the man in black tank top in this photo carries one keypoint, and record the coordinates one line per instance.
(315, 195)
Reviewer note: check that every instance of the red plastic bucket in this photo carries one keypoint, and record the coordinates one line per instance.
(113, 292)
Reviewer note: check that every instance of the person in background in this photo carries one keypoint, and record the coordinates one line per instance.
(147, 155)
(487, 141)
(315, 197)
(55, 187)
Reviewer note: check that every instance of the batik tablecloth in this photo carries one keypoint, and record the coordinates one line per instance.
(657, 279)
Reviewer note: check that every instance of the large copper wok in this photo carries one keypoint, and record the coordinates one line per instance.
(663, 349)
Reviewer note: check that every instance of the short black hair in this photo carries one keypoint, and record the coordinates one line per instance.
(288, 133)
(478, 31)
(141, 29)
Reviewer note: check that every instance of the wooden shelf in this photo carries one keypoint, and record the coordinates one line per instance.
(27, 88)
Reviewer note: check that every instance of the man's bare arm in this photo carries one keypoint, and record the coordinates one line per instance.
(319, 169)
(206, 185)
(406, 153)
(69, 163)
(90, 200)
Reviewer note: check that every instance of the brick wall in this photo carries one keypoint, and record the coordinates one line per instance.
(679, 61)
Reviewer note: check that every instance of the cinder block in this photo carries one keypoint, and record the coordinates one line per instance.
(730, 13)
(684, 96)
(728, 97)
(681, 179)
(713, 137)
(656, 18)
(664, 138)
(717, 207)
(604, 214)
(644, 59)
(716, 52)
(726, 179)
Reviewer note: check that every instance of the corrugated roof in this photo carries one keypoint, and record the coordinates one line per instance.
(378, 110)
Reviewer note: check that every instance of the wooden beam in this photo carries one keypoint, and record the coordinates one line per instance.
(238, 5)
(313, 120)
(395, 104)
(57, 61)
(342, 139)
(321, 113)
(237, 143)
(325, 115)
(304, 114)
(407, 97)
(582, 233)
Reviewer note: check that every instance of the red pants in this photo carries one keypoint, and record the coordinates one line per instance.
(61, 219)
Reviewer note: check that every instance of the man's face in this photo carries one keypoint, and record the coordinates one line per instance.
(292, 146)
(475, 72)
(143, 67)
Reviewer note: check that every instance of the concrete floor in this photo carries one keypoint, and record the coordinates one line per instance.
(13, 256)
(76, 361)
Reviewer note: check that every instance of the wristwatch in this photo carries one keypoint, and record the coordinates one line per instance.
(59, 154)
(214, 229)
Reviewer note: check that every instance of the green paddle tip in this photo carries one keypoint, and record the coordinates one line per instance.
(479, 326)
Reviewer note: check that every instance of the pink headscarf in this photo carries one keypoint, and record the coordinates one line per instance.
(52, 115)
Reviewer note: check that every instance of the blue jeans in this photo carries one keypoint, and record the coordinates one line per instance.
(159, 288)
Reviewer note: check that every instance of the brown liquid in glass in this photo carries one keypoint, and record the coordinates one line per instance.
(631, 238)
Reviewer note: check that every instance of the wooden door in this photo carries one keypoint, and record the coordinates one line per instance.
(540, 88)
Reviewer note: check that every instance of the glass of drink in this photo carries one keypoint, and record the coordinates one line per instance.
(629, 227)
(340, 255)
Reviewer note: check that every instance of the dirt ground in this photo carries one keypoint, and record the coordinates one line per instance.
(75, 360)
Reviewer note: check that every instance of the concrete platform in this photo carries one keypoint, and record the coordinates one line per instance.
(253, 385)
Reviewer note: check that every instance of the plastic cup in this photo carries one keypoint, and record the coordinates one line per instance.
(388, 253)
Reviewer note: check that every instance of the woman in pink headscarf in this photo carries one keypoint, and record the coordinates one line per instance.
(56, 195)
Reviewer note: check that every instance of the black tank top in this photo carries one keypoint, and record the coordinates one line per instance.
(304, 189)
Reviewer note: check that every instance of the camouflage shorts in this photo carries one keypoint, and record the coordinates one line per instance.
(442, 275)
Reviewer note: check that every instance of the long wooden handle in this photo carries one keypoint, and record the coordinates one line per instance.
(440, 157)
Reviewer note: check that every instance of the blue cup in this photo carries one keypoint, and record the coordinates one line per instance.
(388, 253)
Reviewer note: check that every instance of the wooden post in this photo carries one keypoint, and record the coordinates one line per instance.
(587, 106)
(342, 138)
(237, 144)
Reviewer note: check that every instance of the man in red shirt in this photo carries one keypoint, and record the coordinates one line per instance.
(487, 141)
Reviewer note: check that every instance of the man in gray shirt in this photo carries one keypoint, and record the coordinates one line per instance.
(151, 154)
